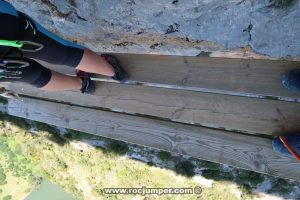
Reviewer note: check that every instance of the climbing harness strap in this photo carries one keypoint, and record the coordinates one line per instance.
(11, 68)
(26, 46)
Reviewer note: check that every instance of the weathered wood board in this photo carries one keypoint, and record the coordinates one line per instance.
(218, 75)
(244, 151)
(240, 114)
(237, 95)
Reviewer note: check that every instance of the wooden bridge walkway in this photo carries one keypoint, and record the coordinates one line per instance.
(221, 110)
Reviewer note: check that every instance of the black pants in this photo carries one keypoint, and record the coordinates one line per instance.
(15, 25)
(34, 74)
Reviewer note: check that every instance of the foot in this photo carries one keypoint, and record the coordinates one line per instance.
(88, 85)
(292, 80)
(293, 141)
(120, 74)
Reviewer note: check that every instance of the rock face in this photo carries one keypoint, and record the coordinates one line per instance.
(181, 27)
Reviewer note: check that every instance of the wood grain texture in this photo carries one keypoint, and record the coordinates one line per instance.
(241, 114)
(238, 75)
(244, 151)
(219, 75)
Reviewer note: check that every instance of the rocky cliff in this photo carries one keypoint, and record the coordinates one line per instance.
(231, 28)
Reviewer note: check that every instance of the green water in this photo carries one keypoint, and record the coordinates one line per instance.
(49, 191)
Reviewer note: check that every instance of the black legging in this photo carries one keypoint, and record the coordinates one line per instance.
(15, 25)
(34, 74)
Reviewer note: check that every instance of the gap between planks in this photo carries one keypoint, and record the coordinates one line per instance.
(232, 113)
(247, 152)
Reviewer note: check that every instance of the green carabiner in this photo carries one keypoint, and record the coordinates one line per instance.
(11, 43)
(22, 45)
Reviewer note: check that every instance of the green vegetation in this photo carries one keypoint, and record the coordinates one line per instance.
(52, 133)
(214, 171)
(271, 98)
(3, 100)
(164, 155)
(8, 197)
(185, 168)
(117, 147)
(247, 180)
(217, 175)
(77, 135)
(2, 176)
(282, 186)
(246, 191)
(220, 191)
(250, 178)
(204, 54)
(281, 3)
(17, 172)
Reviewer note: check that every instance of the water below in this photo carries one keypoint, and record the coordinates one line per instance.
(49, 191)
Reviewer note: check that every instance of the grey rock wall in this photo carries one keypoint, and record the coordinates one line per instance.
(181, 27)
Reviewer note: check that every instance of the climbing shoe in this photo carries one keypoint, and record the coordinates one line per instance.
(292, 80)
(120, 74)
(287, 145)
(88, 85)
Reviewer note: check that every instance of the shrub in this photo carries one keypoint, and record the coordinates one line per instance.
(164, 156)
(281, 186)
(185, 168)
(53, 134)
(246, 191)
(17, 121)
(8, 197)
(2, 177)
(77, 135)
(280, 3)
(117, 147)
(249, 177)
(3, 100)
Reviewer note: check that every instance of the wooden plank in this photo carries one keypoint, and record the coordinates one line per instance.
(248, 115)
(218, 75)
(244, 151)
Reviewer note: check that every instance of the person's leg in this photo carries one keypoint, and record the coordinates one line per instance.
(24, 70)
(105, 64)
(61, 82)
(61, 52)
(93, 63)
